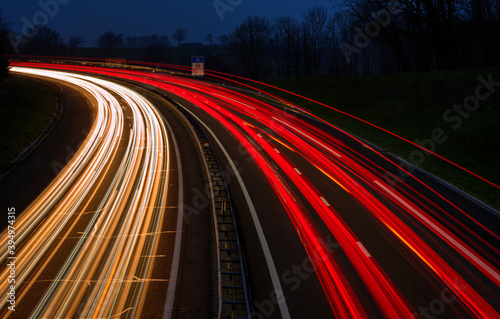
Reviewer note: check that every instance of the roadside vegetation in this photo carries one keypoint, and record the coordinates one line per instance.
(26, 108)
(417, 107)
(4, 31)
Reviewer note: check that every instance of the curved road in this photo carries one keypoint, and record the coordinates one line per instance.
(330, 227)
(108, 203)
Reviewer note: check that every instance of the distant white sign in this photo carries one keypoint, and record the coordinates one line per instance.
(198, 66)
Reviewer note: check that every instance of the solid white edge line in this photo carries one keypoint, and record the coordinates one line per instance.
(172, 283)
(260, 232)
(438, 229)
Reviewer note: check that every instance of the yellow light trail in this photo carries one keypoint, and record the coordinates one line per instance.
(105, 274)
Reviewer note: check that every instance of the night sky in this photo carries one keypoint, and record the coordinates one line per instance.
(91, 18)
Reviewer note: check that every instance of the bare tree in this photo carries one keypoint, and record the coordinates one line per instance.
(210, 38)
(163, 40)
(179, 36)
(46, 41)
(315, 22)
(250, 43)
(333, 42)
(286, 40)
(110, 40)
(132, 42)
(421, 35)
(75, 42)
(306, 43)
(223, 39)
(377, 36)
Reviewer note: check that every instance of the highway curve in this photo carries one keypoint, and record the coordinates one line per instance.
(108, 203)
(330, 228)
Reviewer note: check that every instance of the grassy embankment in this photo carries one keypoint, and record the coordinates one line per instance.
(414, 106)
(26, 107)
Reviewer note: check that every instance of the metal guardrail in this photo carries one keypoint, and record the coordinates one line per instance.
(234, 301)
(233, 290)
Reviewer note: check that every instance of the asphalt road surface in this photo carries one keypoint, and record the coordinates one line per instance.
(332, 227)
(88, 244)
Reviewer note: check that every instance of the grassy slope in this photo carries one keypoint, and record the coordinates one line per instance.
(26, 107)
(413, 105)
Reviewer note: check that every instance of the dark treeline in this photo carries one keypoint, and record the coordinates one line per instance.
(156, 47)
(48, 41)
(425, 34)
(146, 41)
(42, 40)
(349, 37)
(371, 37)
(4, 33)
(284, 47)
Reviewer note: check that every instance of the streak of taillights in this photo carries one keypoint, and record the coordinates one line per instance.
(390, 300)
(470, 298)
(330, 157)
(344, 301)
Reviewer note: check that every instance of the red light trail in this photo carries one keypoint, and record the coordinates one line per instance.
(249, 121)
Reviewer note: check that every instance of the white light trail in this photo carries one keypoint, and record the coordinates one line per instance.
(121, 176)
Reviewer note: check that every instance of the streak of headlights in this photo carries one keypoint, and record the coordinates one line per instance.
(110, 266)
(359, 177)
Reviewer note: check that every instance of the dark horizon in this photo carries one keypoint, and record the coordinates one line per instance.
(272, 40)
(78, 18)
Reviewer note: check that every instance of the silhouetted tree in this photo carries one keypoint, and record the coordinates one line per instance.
(179, 36)
(306, 45)
(223, 39)
(316, 23)
(250, 43)
(409, 35)
(286, 44)
(110, 40)
(333, 44)
(75, 42)
(132, 42)
(210, 38)
(46, 42)
(374, 36)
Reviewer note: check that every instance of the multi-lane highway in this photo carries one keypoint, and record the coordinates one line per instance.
(331, 228)
(90, 238)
